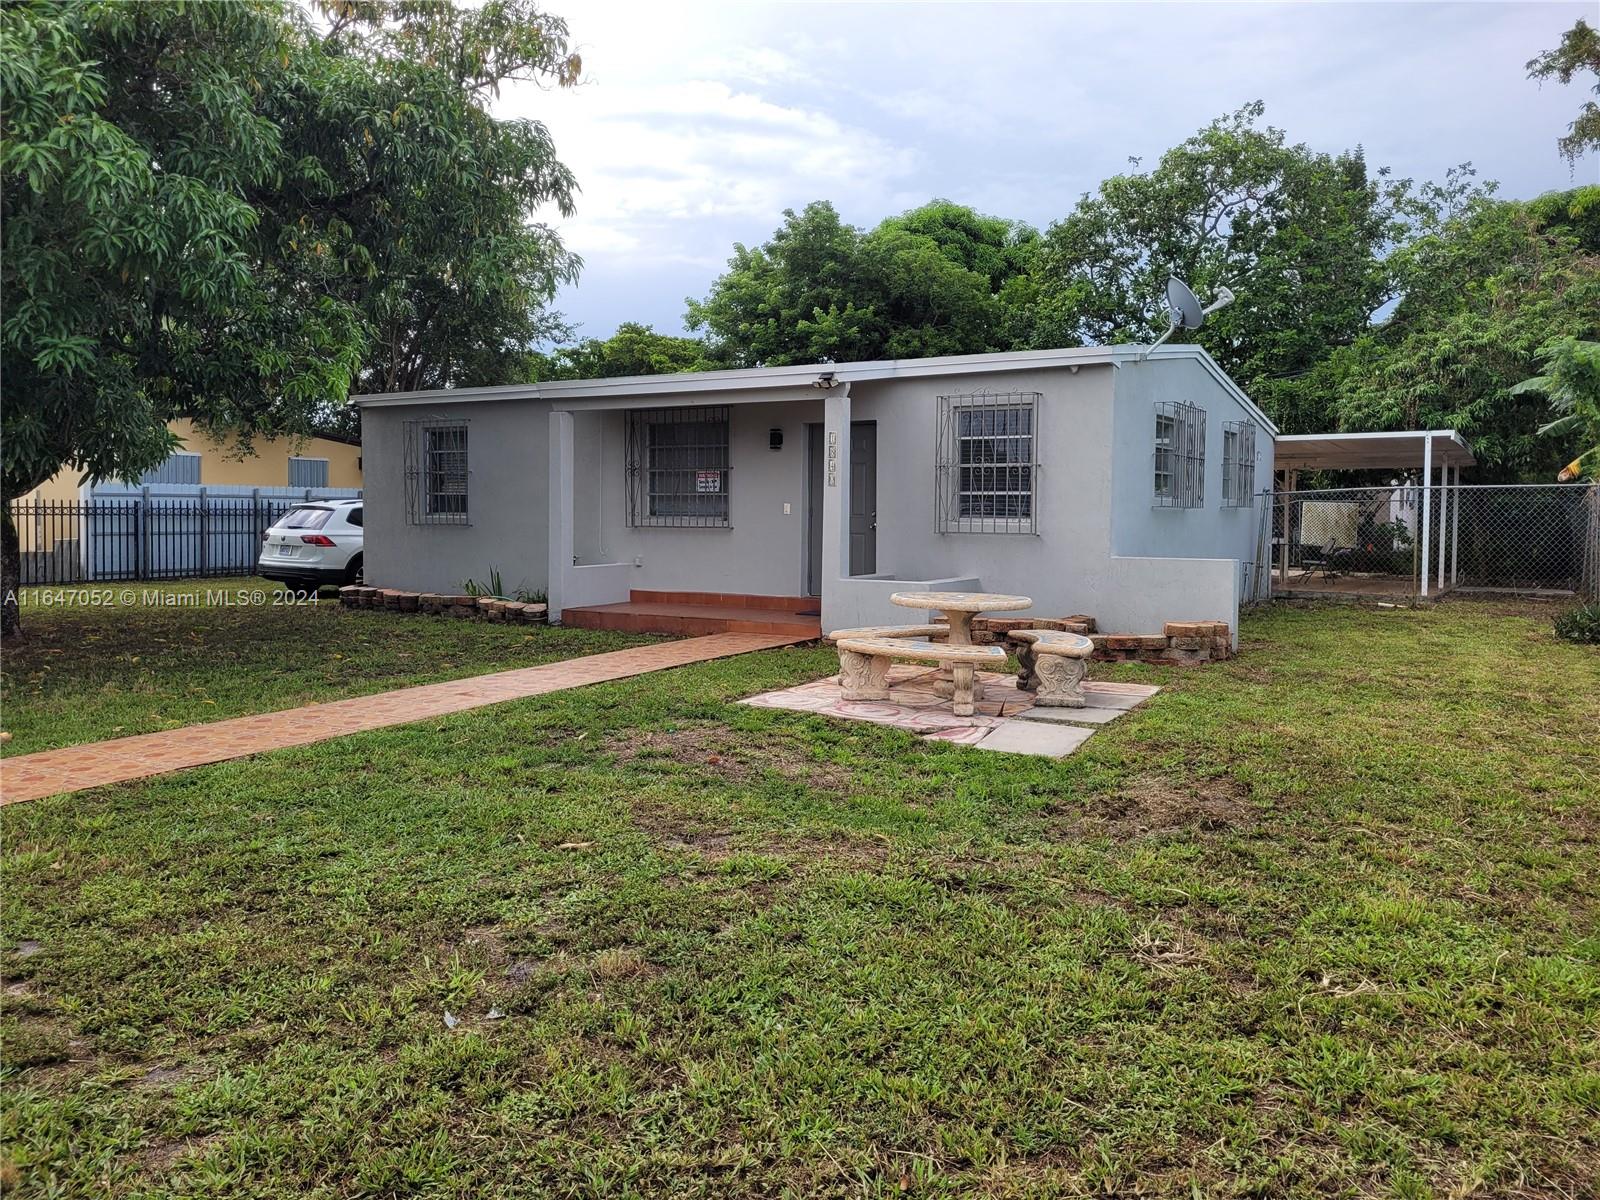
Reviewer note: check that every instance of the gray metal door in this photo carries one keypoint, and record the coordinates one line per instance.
(863, 497)
(816, 456)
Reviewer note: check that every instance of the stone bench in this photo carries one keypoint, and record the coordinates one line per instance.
(888, 631)
(1051, 664)
(864, 665)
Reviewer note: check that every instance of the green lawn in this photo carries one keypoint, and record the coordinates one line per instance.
(1320, 921)
(83, 673)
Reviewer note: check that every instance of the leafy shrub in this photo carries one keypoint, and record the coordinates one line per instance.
(1581, 624)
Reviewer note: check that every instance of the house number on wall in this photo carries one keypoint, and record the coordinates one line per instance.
(833, 458)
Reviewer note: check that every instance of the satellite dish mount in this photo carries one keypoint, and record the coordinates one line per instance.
(1183, 308)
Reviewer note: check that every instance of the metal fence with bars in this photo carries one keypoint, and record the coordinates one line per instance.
(1406, 542)
(138, 534)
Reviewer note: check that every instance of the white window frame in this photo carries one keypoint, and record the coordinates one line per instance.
(438, 488)
(1178, 457)
(676, 482)
(1238, 464)
(972, 443)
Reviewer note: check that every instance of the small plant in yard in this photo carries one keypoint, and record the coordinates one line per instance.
(1581, 624)
(495, 588)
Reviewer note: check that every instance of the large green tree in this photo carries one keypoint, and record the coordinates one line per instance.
(232, 212)
(1577, 54)
(633, 350)
(1483, 288)
(1298, 235)
(931, 281)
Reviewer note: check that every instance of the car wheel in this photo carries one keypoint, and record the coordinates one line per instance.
(352, 573)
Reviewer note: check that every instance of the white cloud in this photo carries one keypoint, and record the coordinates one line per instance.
(698, 124)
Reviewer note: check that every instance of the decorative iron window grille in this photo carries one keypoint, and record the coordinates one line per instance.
(437, 474)
(986, 467)
(678, 470)
(1180, 456)
(1238, 464)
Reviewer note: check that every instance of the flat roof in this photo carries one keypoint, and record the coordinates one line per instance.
(1351, 451)
(804, 375)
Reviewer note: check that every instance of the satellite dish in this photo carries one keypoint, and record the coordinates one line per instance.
(1183, 308)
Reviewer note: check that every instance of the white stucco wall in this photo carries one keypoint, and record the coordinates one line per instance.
(507, 499)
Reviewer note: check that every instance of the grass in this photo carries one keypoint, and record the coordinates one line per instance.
(171, 654)
(1317, 922)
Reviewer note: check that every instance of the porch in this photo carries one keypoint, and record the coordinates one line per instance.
(1423, 534)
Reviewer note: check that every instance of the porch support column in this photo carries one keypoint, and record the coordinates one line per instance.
(559, 511)
(1425, 562)
(835, 486)
(1445, 507)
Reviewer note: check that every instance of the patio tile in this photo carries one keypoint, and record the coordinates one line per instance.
(1035, 737)
(1073, 716)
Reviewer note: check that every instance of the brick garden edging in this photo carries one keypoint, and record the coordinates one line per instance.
(1184, 642)
(487, 608)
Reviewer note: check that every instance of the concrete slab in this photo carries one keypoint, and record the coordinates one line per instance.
(1036, 737)
(1117, 695)
(1073, 716)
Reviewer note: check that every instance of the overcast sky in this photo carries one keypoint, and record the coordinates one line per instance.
(697, 125)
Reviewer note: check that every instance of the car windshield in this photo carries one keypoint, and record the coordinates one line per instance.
(306, 518)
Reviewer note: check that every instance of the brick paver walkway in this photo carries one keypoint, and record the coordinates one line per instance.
(73, 768)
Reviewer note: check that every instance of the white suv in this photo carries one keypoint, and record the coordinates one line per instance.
(314, 543)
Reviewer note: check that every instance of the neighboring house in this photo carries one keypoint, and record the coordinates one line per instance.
(1109, 480)
(320, 462)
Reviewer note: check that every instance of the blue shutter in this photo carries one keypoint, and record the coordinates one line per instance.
(179, 468)
(308, 472)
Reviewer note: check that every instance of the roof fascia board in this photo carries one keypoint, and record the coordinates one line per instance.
(755, 378)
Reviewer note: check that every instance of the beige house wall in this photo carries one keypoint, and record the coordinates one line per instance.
(267, 465)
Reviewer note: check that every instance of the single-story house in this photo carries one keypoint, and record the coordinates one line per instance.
(1111, 480)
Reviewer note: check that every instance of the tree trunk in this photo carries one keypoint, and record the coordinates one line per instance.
(10, 575)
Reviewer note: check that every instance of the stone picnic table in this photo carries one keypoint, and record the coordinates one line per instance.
(959, 608)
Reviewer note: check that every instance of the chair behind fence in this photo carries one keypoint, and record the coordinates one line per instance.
(1405, 541)
(139, 535)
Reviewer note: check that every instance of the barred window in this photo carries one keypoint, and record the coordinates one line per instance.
(678, 467)
(437, 473)
(1180, 456)
(987, 469)
(1238, 464)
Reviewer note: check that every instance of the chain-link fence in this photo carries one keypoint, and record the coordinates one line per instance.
(1405, 541)
(141, 536)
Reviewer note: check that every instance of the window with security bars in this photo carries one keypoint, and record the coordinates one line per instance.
(987, 467)
(1238, 464)
(1180, 456)
(678, 467)
(437, 474)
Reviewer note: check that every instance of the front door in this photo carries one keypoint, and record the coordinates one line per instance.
(863, 497)
(816, 461)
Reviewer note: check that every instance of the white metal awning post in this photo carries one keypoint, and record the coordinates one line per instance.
(1445, 505)
(1424, 563)
(1455, 531)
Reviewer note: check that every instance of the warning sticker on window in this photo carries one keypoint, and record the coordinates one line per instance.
(708, 481)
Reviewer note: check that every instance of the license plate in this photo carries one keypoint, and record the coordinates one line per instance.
(286, 551)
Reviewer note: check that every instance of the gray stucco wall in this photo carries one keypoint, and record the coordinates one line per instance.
(763, 549)
(1139, 528)
(507, 497)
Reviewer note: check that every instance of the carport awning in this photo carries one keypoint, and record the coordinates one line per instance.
(1353, 451)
